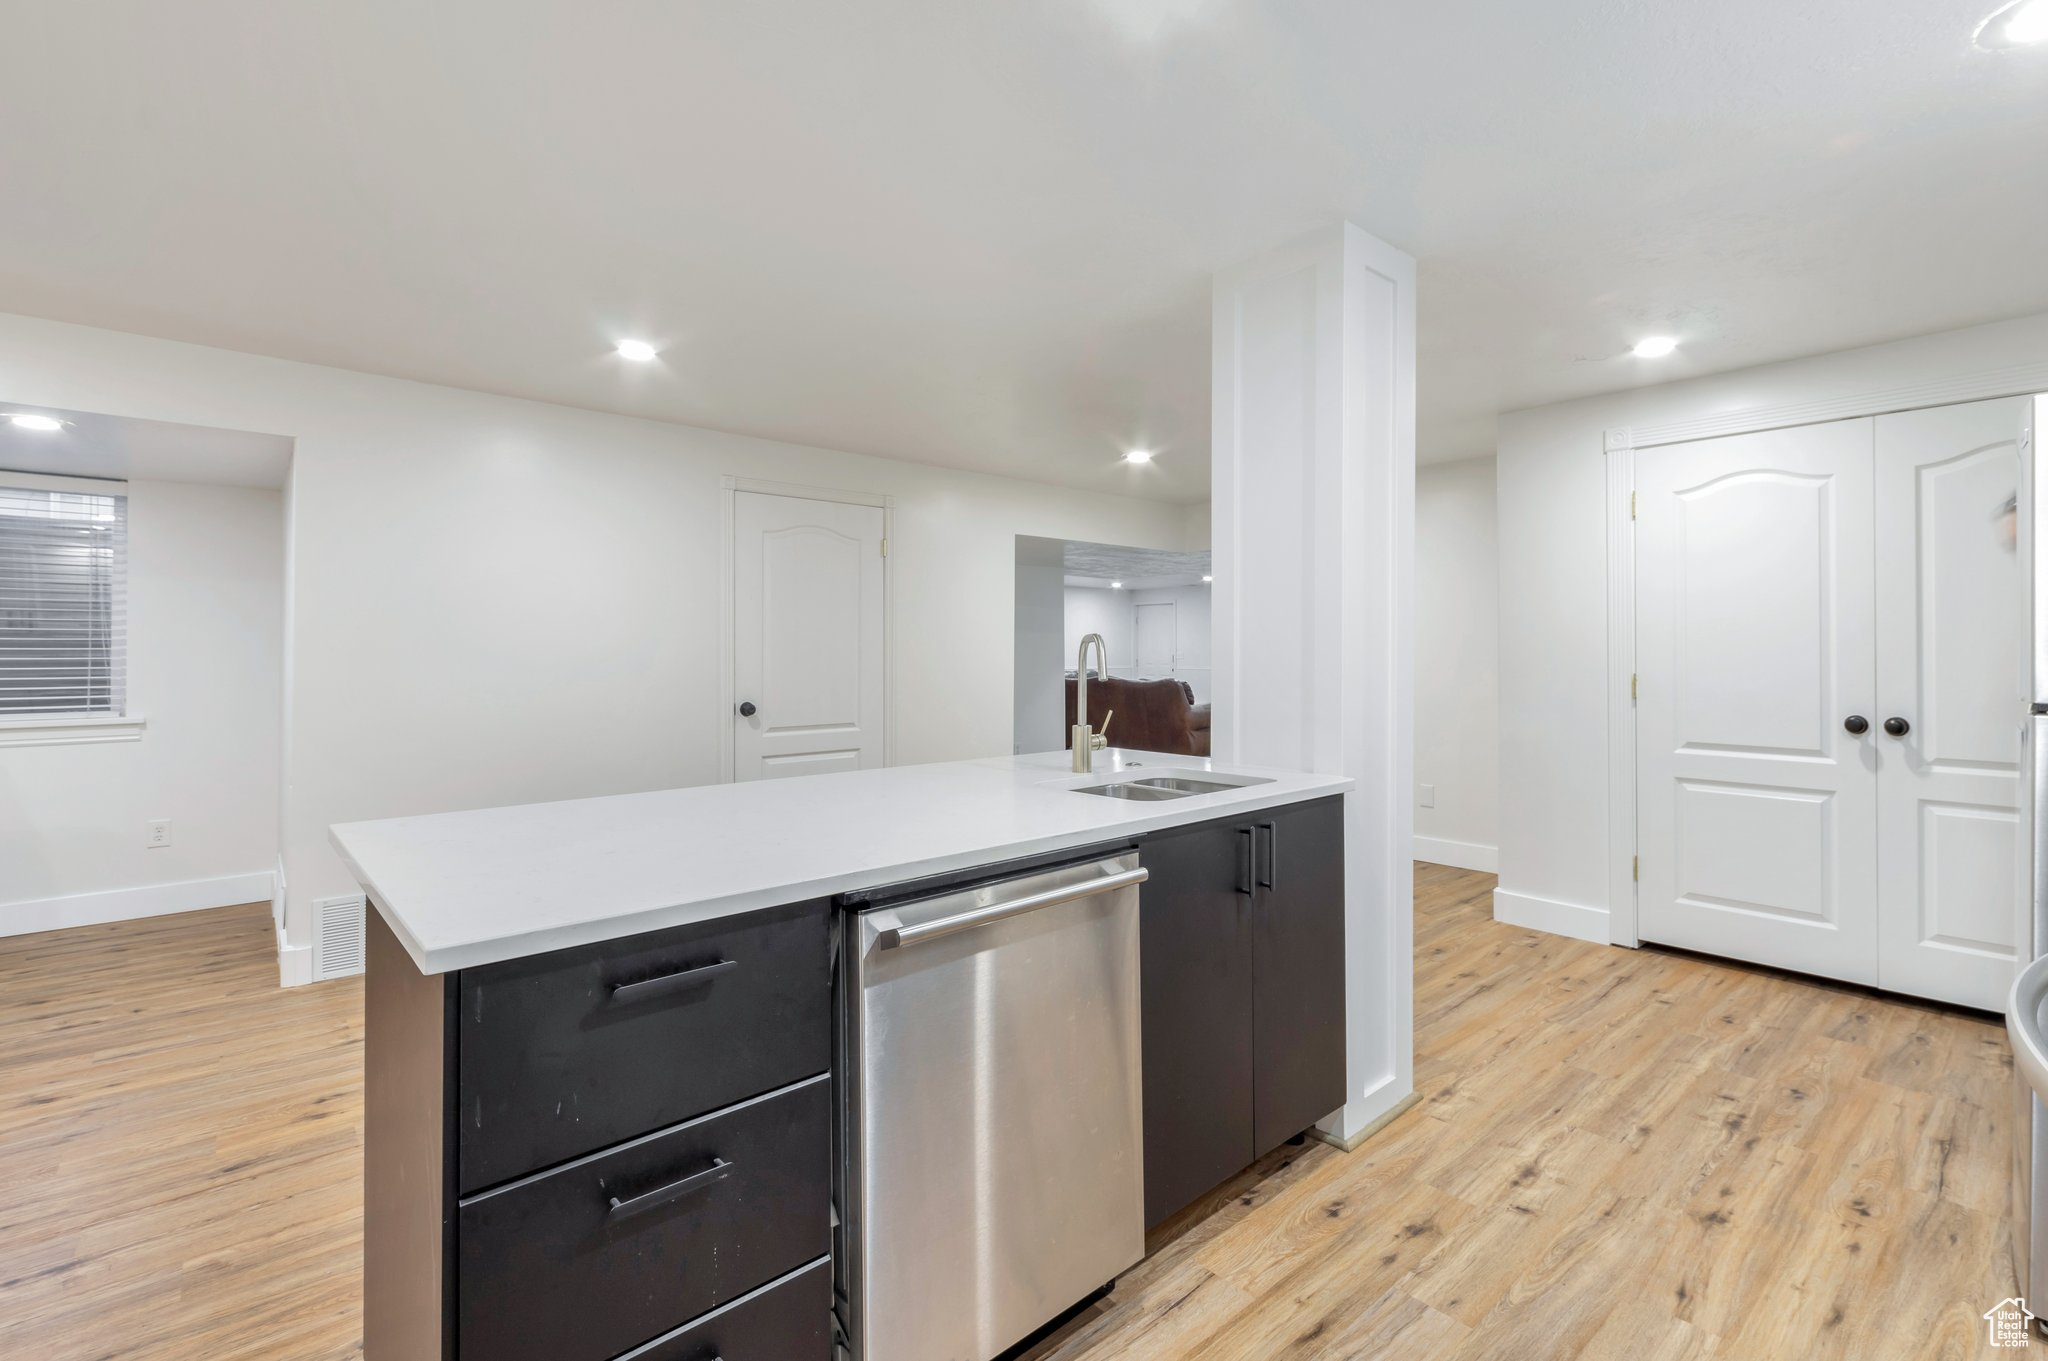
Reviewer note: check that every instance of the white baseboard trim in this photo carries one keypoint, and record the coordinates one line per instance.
(131, 904)
(1349, 1126)
(1549, 914)
(294, 962)
(1349, 1143)
(1462, 855)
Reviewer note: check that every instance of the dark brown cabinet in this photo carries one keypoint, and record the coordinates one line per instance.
(786, 1319)
(606, 1151)
(1242, 934)
(590, 1259)
(1195, 936)
(1297, 971)
(571, 1051)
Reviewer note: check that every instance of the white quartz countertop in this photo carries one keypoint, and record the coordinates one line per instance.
(463, 889)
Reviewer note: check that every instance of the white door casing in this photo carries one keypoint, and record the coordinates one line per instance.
(2028, 935)
(808, 630)
(1756, 808)
(1949, 630)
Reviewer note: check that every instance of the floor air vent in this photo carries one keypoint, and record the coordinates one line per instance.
(337, 937)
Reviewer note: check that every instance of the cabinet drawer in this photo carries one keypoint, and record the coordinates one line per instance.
(790, 1320)
(565, 1053)
(598, 1257)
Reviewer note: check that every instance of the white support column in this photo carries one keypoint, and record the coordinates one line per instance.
(1313, 488)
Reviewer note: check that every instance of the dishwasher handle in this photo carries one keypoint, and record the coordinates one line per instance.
(2023, 1027)
(895, 937)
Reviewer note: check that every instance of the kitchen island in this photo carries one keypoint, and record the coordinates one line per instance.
(610, 1040)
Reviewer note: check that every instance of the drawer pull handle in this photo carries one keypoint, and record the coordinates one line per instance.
(671, 982)
(662, 1195)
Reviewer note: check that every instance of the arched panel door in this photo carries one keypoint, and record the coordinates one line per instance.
(808, 629)
(1756, 803)
(1949, 632)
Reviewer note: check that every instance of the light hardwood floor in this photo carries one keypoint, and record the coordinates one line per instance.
(180, 1147)
(1625, 1155)
(1618, 1154)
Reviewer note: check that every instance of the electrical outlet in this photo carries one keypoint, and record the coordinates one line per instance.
(159, 833)
(1426, 795)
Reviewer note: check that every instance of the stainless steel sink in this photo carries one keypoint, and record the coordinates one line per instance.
(1183, 785)
(1136, 790)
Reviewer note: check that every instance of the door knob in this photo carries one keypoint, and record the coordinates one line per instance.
(746, 708)
(1857, 725)
(1897, 727)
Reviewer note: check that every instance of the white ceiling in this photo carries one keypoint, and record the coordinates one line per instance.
(129, 449)
(980, 234)
(1135, 569)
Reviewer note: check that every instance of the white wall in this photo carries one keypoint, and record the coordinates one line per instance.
(447, 646)
(1097, 609)
(1041, 605)
(1554, 851)
(1457, 663)
(205, 592)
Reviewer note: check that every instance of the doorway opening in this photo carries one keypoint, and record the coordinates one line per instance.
(1151, 607)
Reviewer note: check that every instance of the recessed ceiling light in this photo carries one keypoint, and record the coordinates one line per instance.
(30, 421)
(1207, 577)
(639, 351)
(1654, 347)
(1116, 585)
(2017, 25)
(1137, 455)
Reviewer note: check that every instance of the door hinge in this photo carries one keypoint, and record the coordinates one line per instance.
(1635, 868)
(1631, 505)
(885, 548)
(1634, 691)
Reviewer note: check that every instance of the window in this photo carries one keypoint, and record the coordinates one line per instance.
(63, 602)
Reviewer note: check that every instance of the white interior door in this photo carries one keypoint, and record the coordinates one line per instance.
(1950, 623)
(1156, 628)
(808, 630)
(1756, 809)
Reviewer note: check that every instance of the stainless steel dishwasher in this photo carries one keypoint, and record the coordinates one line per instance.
(991, 1170)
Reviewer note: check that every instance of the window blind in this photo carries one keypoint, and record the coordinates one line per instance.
(63, 602)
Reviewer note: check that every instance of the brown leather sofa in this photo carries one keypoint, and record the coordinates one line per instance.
(1157, 715)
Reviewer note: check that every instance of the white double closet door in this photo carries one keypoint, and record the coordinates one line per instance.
(1792, 587)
